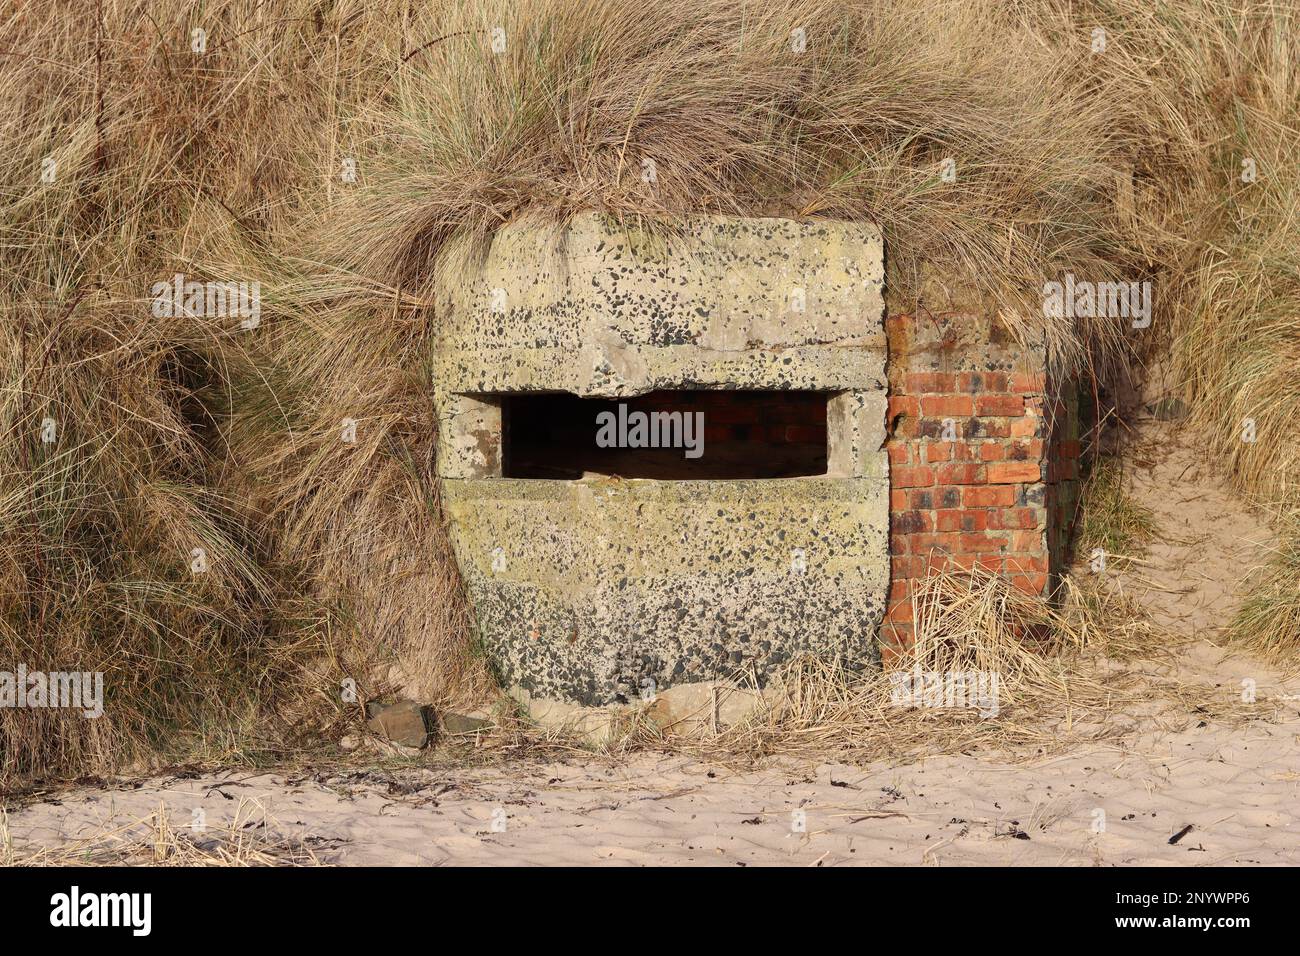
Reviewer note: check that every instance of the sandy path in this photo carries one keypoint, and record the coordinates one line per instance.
(1192, 578)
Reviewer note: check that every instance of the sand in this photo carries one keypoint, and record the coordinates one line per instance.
(1191, 579)
(1100, 805)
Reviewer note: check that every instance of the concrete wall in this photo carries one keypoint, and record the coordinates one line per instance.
(590, 590)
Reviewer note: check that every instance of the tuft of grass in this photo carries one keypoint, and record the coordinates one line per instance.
(1109, 517)
(1205, 99)
(1268, 622)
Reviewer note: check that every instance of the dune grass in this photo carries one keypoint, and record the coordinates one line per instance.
(1269, 620)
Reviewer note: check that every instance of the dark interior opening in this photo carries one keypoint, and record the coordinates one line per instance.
(699, 435)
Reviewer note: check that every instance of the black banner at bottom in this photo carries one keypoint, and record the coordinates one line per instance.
(339, 906)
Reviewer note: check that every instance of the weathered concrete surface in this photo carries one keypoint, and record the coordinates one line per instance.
(584, 591)
(734, 303)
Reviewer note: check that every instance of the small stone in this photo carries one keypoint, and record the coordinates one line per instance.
(454, 723)
(588, 726)
(404, 723)
(689, 709)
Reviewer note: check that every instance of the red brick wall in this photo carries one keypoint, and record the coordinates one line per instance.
(981, 497)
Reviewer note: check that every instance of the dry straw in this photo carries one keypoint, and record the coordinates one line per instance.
(1078, 670)
(250, 838)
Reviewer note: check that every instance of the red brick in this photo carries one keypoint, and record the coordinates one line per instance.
(982, 381)
(1026, 541)
(1026, 427)
(906, 567)
(1026, 449)
(948, 520)
(991, 451)
(1027, 383)
(1027, 563)
(911, 477)
(897, 641)
(899, 322)
(947, 497)
(937, 560)
(939, 451)
(926, 543)
(961, 520)
(932, 382)
(897, 499)
(960, 474)
(1030, 583)
(988, 497)
(981, 543)
(1017, 518)
(992, 428)
(899, 453)
(1013, 472)
(912, 522)
(1002, 406)
(899, 591)
(947, 405)
(902, 611)
(920, 499)
(904, 405)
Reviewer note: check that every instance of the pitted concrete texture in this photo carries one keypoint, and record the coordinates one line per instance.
(585, 591)
(589, 591)
(731, 303)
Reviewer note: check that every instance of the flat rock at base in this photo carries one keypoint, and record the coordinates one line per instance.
(454, 723)
(686, 709)
(404, 723)
(699, 707)
(591, 726)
